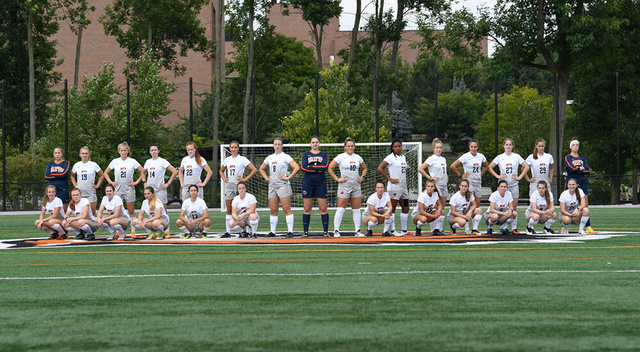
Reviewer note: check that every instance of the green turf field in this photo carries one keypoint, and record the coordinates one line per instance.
(495, 297)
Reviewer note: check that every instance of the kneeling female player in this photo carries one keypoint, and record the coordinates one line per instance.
(464, 209)
(80, 219)
(118, 219)
(573, 207)
(502, 210)
(429, 210)
(375, 213)
(541, 209)
(243, 212)
(158, 219)
(52, 206)
(194, 216)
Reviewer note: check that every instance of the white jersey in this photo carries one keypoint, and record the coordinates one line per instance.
(461, 203)
(571, 202)
(159, 208)
(378, 203)
(278, 166)
(540, 167)
(192, 170)
(500, 203)
(155, 172)
(541, 201)
(79, 208)
(194, 210)
(429, 202)
(437, 167)
(85, 174)
(235, 167)
(473, 165)
(349, 166)
(111, 205)
(123, 171)
(243, 205)
(51, 206)
(397, 169)
(509, 166)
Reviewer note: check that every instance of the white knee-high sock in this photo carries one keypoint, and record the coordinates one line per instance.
(455, 226)
(71, 229)
(532, 223)
(371, 224)
(118, 228)
(108, 227)
(273, 222)
(185, 229)
(357, 218)
(337, 218)
(289, 219)
(392, 220)
(404, 219)
(57, 228)
(387, 224)
(226, 222)
(514, 224)
(419, 224)
(549, 223)
(86, 229)
(476, 221)
(440, 222)
(237, 228)
(254, 225)
(583, 222)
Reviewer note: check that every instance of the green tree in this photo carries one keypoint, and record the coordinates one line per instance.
(168, 28)
(341, 114)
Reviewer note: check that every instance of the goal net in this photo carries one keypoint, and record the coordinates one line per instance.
(372, 154)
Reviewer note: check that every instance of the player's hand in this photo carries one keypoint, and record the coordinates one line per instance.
(465, 175)
(200, 184)
(360, 179)
(342, 179)
(502, 176)
(164, 186)
(395, 181)
(435, 179)
(132, 184)
(534, 179)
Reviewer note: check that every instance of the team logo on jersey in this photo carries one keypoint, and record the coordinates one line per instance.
(509, 164)
(55, 169)
(313, 159)
(543, 164)
(577, 163)
(123, 168)
(232, 166)
(152, 168)
(394, 194)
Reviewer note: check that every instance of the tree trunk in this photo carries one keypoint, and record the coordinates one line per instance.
(32, 86)
(354, 39)
(379, 11)
(76, 69)
(563, 79)
(218, 85)
(247, 91)
(392, 64)
(149, 35)
(318, 34)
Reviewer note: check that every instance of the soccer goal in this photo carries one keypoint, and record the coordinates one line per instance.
(372, 153)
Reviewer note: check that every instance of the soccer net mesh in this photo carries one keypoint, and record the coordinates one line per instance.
(372, 153)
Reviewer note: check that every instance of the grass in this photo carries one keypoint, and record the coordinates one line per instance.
(522, 297)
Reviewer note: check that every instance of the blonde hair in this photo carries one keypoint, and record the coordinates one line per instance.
(547, 195)
(46, 198)
(154, 200)
(198, 157)
(435, 142)
(535, 150)
(72, 203)
(125, 145)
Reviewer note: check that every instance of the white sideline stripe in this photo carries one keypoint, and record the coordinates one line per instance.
(328, 274)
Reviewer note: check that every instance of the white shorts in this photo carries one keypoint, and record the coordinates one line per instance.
(230, 191)
(90, 194)
(476, 189)
(349, 190)
(162, 195)
(443, 189)
(398, 193)
(127, 196)
(280, 191)
(515, 190)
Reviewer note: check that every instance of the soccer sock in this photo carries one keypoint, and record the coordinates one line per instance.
(237, 228)
(161, 229)
(583, 222)
(273, 222)
(48, 230)
(455, 225)
(71, 229)
(86, 229)
(392, 220)
(325, 221)
(432, 225)
(371, 224)
(108, 228)
(226, 222)
(57, 228)
(440, 222)
(306, 218)
(118, 228)
(531, 223)
(419, 224)
(404, 219)
(387, 224)
(549, 223)
(289, 218)
(205, 229)
(565, 228)
(185, 229)
(476, 221)
(490, 224)
(466, 227)
(254, 225)
(337, 219)
(357, 218)
(514, 223)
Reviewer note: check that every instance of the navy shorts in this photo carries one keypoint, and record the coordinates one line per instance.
(63, 194)
(314, 191)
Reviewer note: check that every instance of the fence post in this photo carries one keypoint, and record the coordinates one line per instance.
(4, 157)
(190, 108)
(634, 185)
(495, 111)
(66, 119)
(128, 113)
(435, 112)
(375, 101)
(558, 149)
(618, 135)
(253, 105)
(317, 108)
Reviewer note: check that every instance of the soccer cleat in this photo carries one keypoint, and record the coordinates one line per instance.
(369, 233)
(326, 234)
(475, 232)
(254, 235)
(400, 234)
(505, 232)
(489, 231)
(358, 233)
(516, 232)
(530, 231)
(91, 237)
(564, 230)
(54, 235)
(393, 232)
(437, 232)
(386, 234)
(63, 236)
(404, 233)
(271, 234)
(582, 232)
(418, 232)
(204, 235)
(111, 236)
(289, 234)
(453, 231)
(123, 236)
(590, 230)
(336, 233)
(305, 234)
(80, 236)
(548, 231)
(226, 235)
(187, 235)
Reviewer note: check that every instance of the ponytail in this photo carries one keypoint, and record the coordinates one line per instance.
(198, 157)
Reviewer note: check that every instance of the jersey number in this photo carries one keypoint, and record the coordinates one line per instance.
(543, 170)
(123, 174)
(194, 216)
(152, 174)
(404, 169)
(274, 168)
(84, 177)
(508, 169)
(353, 167)
(189, 172)
(232, 172)
(476, 169)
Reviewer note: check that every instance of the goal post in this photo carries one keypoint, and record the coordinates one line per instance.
(372, 154)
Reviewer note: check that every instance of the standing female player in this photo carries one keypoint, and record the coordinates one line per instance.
(57, 172)
(52, 206)
(574, 207)
(190, 170)
(156, 167)
(348, 185)
(194, 215)
(464, 209)
(314, 163)
(577, 168)
(397, 185)
(243, 212)
(234, 166)
(509, 163)
(374, 213)
(437, 165)
(429, 210)
(541, 210)
(474, 165)
(542, 166)
(87, 171)
(279, 186)
(501, 211)
(158, 219)
(80, 219)
(123, 169)
(118, 219)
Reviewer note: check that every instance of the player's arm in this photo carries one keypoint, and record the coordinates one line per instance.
(99, 183)
(107, 177)
(364, 169)
(552, 170)
(493, 172)
(563, 209)
(73, 180)
(253, 172)
(296, 169)
(330, 171)
(423, 170)
(454, 167)
(208, 177)
(384, 174)
(174, 173)
(525, 169)
(142, 177)
(485, 168)
(263, 171)
(224, 178)
(180, 176)
(182, 216)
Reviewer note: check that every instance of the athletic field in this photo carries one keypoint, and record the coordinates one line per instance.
(568, 293)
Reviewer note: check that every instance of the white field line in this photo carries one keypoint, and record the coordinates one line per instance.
(328, 274)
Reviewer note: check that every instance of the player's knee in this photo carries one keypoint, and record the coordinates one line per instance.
(585, 212)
